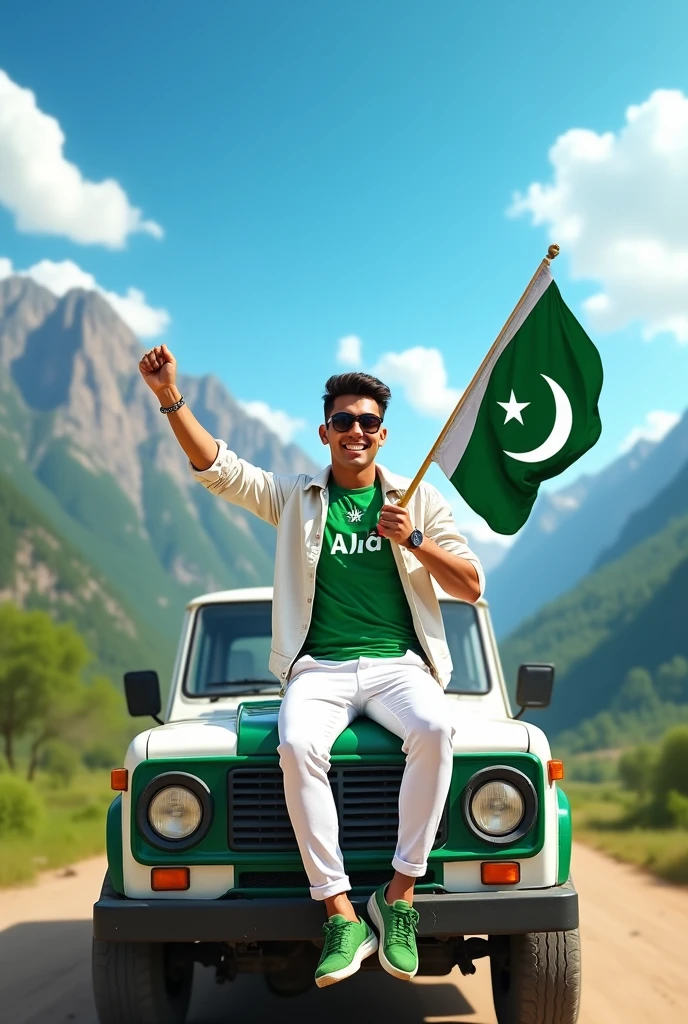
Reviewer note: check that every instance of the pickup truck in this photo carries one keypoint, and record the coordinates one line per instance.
(203, 865)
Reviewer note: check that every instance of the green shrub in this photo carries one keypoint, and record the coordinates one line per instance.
(102, 755)
(672, 765)
(21, 809)
(91, 812)
(677, 806)
(60, 762)
(590, 769)
(636, 769)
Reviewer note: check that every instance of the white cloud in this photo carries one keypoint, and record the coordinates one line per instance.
(657, 425)
(48, 194)
(474, 527)
(144, 320)
(279, 422)
(420, 372)
(350, 350)
(422, 375)
(617, 205)
(490, 547)
(477, 529)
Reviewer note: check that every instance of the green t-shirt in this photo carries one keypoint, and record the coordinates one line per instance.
(359, 609)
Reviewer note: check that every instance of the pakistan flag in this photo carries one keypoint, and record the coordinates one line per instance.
(529, 414)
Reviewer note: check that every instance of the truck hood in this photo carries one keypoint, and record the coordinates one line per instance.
(252, 729)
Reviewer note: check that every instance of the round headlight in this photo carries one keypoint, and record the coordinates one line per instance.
(175, 812)
(497, 808)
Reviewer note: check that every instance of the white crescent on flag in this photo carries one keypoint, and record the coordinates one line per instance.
(563, 421)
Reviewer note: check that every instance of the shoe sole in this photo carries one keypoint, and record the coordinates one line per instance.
(365, 949)
(376, 917)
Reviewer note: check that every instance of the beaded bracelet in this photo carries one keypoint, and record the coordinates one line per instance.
(173, 408)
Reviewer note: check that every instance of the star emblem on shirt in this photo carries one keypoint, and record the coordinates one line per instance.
(354, 515)
(513, 408)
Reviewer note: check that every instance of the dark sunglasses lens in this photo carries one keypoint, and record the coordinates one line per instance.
(342, 421)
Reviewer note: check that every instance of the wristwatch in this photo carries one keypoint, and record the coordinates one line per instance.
(415, 540)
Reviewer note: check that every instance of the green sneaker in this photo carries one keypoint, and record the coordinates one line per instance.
(396, 925)
(347, 943)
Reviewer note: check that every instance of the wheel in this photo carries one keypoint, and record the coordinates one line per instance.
(284, 983)
(299, 974)
(536, 978)
(140, 982)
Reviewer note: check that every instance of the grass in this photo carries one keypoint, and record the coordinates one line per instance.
(600, 814)
(72, 828)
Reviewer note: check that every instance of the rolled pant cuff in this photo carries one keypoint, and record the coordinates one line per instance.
(323, 892)
(412, 870)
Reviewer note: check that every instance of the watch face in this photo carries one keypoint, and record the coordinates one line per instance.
(416, 539)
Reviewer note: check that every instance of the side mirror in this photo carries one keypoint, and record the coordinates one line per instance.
(142, 690)
(534, 687)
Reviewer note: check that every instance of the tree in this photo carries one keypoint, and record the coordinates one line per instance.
(672, 679)
(40, 685)
(637, 692)
(636, 769)
(672, 765)
(77, 714)
(60, 762)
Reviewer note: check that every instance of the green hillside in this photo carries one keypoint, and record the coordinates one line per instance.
(627, 614)
(670, 503)
(39, 568)
(160, 565)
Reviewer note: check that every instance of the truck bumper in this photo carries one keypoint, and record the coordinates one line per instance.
(442, 915)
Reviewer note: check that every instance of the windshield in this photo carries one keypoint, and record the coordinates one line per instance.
(230, 650)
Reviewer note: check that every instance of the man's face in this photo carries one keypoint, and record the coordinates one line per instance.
(353, 448)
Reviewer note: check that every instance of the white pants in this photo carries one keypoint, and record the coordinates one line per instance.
(321, 700)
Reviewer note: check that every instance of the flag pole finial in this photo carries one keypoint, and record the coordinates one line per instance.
(552, 253)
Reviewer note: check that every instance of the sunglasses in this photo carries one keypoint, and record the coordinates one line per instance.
(343, 421)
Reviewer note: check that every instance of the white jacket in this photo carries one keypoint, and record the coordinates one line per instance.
(297, 506)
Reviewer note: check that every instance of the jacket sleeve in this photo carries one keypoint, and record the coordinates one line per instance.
(440, 527)
(262, 493)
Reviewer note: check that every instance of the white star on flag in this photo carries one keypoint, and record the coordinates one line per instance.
(513, 409)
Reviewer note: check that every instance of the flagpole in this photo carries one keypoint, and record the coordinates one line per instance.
(552, 253)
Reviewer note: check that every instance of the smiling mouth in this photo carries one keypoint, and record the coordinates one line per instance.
(355, 447)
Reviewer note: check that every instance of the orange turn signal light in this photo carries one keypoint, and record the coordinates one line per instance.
(119, 779)
(502, 873)
(169, 879)
(555, 770)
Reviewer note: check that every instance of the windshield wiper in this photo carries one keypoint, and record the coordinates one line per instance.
(243, 686)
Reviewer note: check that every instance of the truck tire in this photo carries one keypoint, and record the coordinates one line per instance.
(536, 978)
(139, 982)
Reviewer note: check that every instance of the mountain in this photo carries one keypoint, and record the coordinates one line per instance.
(39, 569)
(81, 437)
(569, 530)
(626, 614)
(670, 503)
(490, 553)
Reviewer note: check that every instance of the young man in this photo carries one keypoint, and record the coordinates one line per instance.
(357, 629)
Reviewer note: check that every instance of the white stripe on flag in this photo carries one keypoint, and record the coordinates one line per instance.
(449, 454)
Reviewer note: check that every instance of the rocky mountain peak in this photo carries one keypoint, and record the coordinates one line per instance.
(74, 358)
(24, 305)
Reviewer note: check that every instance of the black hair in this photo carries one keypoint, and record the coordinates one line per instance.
(355, 383)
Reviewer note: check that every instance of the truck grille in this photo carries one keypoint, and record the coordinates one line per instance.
(299, 879)
(366, 799)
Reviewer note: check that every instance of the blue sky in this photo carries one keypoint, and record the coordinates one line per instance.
(310, 171)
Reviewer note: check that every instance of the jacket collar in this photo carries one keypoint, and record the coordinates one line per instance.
(391, 483)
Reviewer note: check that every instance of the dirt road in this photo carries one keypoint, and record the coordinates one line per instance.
(635, 951)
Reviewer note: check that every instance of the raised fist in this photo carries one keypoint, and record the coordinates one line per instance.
(159, 368)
